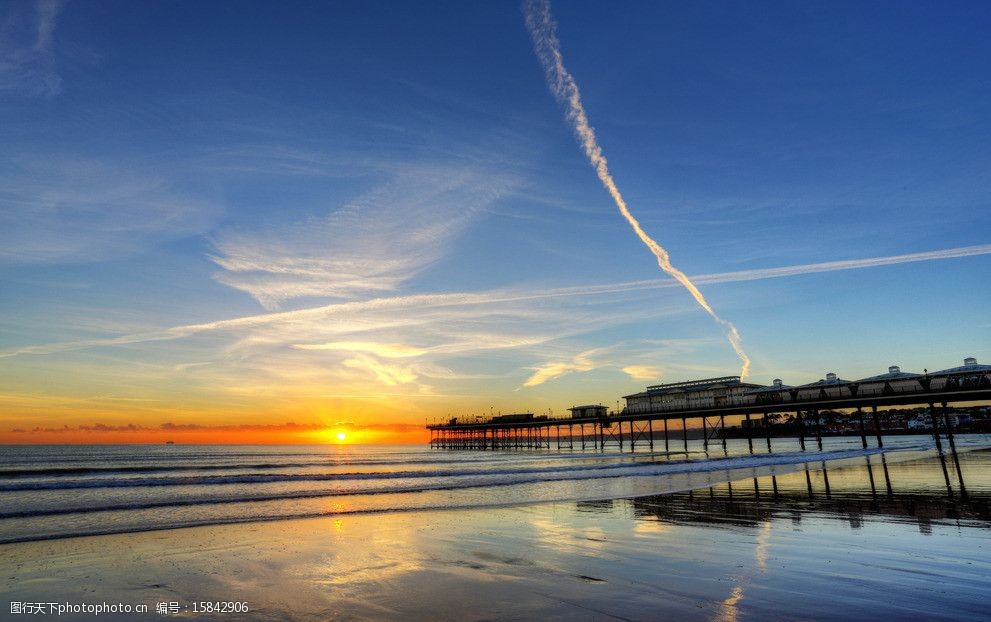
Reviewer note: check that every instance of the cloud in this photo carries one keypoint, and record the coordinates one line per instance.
(96, 427)
(385, 350)
(440, 372)
(642, 372)
(68, 209)
(389, 375)
(27, 51)
(270, 427)
(465, 311)
(373, 244)
(631, 357)
(584, 361)
(846, 264)
(185, 366)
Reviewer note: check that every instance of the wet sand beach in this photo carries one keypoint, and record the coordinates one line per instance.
(866, 540)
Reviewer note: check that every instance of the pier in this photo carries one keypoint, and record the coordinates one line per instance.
(644, 422)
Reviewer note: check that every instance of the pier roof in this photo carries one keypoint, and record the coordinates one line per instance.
(970, 366)
(831, 380)
(774, 388)
(894, 373)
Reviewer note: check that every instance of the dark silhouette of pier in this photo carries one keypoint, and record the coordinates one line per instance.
(644, 422)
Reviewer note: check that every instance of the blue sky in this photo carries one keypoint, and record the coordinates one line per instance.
(397, 181)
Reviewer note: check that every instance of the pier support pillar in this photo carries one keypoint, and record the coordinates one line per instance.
(767, 431)
(815, 413)
(935, 420)
(887, 476)
(953, 450)
(666, 446)
(684, 432)
(650, 433)
(722, 430)
(949, 428)
(801, 433)
(750, 436)
(863, 432)
(877, 427)
(870, 474)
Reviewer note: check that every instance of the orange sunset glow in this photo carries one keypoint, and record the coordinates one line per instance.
(272, 435)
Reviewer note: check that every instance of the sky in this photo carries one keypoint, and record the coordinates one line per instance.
(273, 222)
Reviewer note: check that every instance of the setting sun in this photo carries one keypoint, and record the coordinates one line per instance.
(341, 436)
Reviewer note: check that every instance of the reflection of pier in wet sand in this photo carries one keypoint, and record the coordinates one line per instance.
(873, 493)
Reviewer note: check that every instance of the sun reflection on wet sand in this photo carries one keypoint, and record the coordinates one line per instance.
(729, 611)
(763, 541)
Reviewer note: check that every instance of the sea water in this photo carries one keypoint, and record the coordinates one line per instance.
(63, 491)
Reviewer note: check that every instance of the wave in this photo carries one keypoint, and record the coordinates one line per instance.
(483, 480)
(234, 466)
(268, 478)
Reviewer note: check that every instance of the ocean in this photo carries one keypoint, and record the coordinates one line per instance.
(49, 492)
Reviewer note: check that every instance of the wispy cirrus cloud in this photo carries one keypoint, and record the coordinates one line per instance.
(373, 244)
(430, 346)
(448, 309)
(387, 374)
(385, 350)
(27, 49)
(60, 209)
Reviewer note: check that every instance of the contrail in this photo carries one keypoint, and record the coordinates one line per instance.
(545, 43)
(490, 297)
